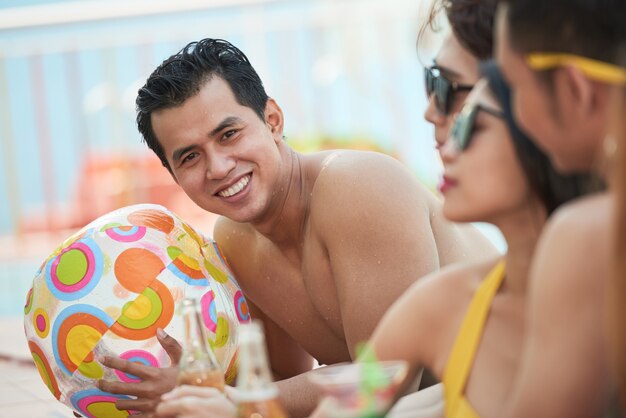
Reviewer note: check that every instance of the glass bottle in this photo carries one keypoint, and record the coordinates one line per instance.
(198, 365)
(257, 394)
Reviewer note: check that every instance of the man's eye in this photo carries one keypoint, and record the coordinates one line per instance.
(228, 134)
(189, 157)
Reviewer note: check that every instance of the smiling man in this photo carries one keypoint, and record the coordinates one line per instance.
(321, 243)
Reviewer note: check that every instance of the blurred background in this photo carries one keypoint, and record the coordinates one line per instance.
(346, 73)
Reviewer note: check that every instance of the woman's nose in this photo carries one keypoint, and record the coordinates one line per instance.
(432, 114)
(448, 151)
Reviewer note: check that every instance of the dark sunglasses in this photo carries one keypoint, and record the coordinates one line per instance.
(462, 130)
(443, 89)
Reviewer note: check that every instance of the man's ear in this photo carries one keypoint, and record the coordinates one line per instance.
(575, 91)
(274, 119)
(582, 99)
(592, 96)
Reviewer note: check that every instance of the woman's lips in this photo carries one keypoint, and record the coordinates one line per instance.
(446, 184)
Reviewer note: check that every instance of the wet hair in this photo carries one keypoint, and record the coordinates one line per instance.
(183, 75)
(553, 189)
(471, 22)
(590, 28)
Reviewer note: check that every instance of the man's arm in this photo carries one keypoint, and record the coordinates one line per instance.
(286, 357)
(374, 219)
(288, 360)
(427, 304)
(564, 370)
(289, 364)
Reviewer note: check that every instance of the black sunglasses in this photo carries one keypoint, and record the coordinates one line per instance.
(443, 89)
(462, 130)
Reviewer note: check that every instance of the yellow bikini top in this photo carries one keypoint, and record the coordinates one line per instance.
(467, 341)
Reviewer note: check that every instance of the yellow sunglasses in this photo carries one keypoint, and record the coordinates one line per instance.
(594, 69)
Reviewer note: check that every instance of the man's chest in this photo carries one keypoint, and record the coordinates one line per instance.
(305, 275)
(295, 288)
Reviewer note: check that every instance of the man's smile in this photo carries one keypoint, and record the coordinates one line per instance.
(235, 188)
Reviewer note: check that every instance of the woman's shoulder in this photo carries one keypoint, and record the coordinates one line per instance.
(426, 317)
(460, 277)
(444, 294)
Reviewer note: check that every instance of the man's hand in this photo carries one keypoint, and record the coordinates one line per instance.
(195, 401)
(154, 381)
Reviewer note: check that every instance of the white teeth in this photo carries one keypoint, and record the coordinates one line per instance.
(235, 188)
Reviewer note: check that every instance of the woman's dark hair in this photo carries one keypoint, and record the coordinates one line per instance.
(552, 188)
(470, 20)
(182, 75)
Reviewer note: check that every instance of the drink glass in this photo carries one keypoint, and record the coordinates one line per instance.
(362, 389)
(198, 365)
(208, 378)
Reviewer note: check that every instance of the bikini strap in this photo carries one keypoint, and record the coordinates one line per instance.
(468, 339)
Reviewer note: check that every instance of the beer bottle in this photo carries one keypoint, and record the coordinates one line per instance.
(198, 365)
(257, 394)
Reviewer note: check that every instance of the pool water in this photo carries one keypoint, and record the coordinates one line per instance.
(16, 278)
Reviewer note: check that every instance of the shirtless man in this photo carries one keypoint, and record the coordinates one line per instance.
(321, 243)
(559, 57)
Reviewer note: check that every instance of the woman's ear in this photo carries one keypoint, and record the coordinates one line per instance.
(274, 119)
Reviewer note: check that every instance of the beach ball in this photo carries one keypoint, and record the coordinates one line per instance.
(109, 287)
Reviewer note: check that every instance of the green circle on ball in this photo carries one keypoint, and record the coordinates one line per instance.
(72, 267)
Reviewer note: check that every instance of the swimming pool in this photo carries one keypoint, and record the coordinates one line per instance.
(16, 277)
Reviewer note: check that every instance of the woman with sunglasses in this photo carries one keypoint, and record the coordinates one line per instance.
(465, 323)
(448, 81)
(452, 74)
(455, 69)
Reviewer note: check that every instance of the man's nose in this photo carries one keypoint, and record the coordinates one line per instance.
(219, 164)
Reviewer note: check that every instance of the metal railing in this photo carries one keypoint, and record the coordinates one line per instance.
(69, 72)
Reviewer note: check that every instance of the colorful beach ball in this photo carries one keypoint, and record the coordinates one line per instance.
(109, 287)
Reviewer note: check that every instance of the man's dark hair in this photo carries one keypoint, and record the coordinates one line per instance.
(590, 28)
(182, 75)
(552, 188)
(471, 22)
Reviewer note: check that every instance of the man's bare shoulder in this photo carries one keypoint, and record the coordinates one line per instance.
(368, 197)
(565, 352)
(236, 241)
(369, 179)
(226, 230)
(572, 254)
(342, 167)
(579, 228)
(582, 217)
